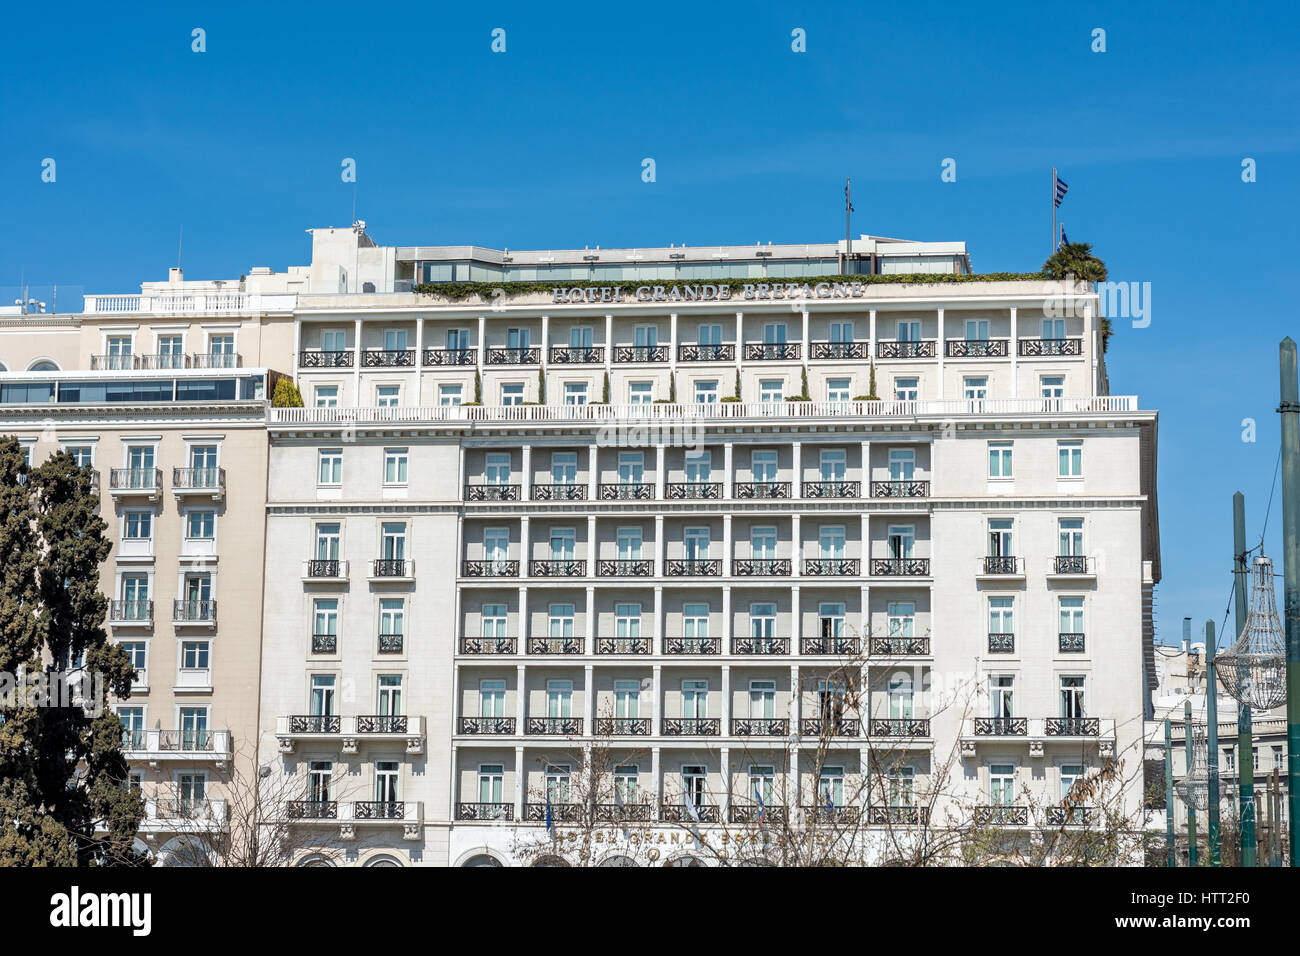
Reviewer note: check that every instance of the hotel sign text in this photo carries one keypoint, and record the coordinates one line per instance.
(709, 292)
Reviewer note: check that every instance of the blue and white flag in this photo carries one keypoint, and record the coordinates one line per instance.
(762, 810)
(1061, 189)
(548, 811)
(1064, 241)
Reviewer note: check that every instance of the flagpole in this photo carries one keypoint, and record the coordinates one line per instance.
(1053, 211)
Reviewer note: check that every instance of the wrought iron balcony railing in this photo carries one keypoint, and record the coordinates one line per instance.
(900, 489)
(388, 358)
(577, 355)
(760, 727)
(325, 358)
(1039, 347)
(771, 351)
(832, 489)
(488, 726)
(324, 643)
(489, 645)
(1072, 727)
(390, 568)
(977, 348)
(194, 612)
(436, 356)
(379, 810)
(1070, 643)
(683, 490)
(516, 356)
(678, 813)
(706, 353)
(390, 643)
(491, 568)
(491, 492)
(899, 647)
(130, 612)
(554, 726)
(692, 645)
(898, 816)
(640, 353)
(622, 726)
(760, 645)
(560, 812)
(905, 350)
(485, 811)
(693, 567)
(624, 567)
(830, 727)
(760, 567)
(899, 727)
(324, 568)
(560, 491)
(558, 568)
(691, 726)
(839, 350)
(628, 811)
(1069, 816)
(762, 489)
(1001, 726)
(753, 813)
(381, 724)
(1001, 564)
(1002, 643)
(900, 567)
(1002, 815)
(315, 724)
(821, 813)
(841, 645)
(831, 567)
(1070, 564)
(555, 645)
(627, 491)
(199, 479)
(623, 645)
(312, 809)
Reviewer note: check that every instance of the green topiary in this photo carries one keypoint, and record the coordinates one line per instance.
(286, 394)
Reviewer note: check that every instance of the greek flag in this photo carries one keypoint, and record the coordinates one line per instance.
(848, 203)
(1061, 189)
(548, 811)
(762, 810)
(1064, 241)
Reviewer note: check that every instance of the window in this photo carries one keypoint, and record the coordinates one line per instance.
(559, 698)
(830, 787)
(512, 393)
(646, 337)
(907, 389)
(493, 620)
(902, 540)
(386, 781)
(1071, 615)
(388, 696)
(496, 543)
(194, 728)
(999, 459)
(629, 544)
(694, 778)
(319, 775)
(119, 352)
(698, 466)
(977, 330)
(762, 783)
(631, 467)
(1069, 456)
(392, 540)
(497, 469)
(695, 620)
(330, 467)
(640, 393)
(327, 541)
(518, 338)
(394, 340)
(762, 621)
(580, 338)
(137, 525)
(976, 387)
(627, 699)
(695, 699)
(392, 612)
(902, 464)
(171, 351)
(138, 652)
(135, 593)
(762, 699)
(902, 782)
(201, 524)
(909, 331)
(834, 464)
(1001, 620)
(1053, 328)
(395, 462)
(140, 461)
(841, 332)
(696, 542)
(1000, 539)
(450, 394)
(838, 390)
(706, 393)
(1072, 696)
(774, 333)
(557, 783)
(710, 335)
(458, 340)
(386, 396)
(1279, 758)
(564, 467)
(492, 698)
(327, 396)
(902, 619)
(560, 623)
(575, 393)
(762, 465)
(1069, 537)
(762, 543)
(333, 340)
(771, 391)
(83, 455)
(627, 621)
(625, 784)
(562, 543)
(830, 540)
(830, 619)
(194, 655)
(191, 793)
(1053, 386)
(224, 345)
(1070, 775)
(132, 719)
(325, 617)
(1002, 696)
(1002, 785)
(491, 780)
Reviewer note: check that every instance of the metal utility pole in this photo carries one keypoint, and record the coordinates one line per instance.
(1187, 776)
(1245, 747)
(1290, 411)
(1212, 743)
(1170, 859)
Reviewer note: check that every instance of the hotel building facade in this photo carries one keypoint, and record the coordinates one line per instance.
(662, 518)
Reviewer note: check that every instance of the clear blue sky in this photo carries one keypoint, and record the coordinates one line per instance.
(542, 146)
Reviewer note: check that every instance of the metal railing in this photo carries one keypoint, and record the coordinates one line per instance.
(1001, 815)
(760, 567)
(760, 727)
(1070, 564)
(324, 567)
(623, 645)
(491, 568)
(128, 612)
(830, 727)
(198, 479)
(762, 489)
(693, 645)
(838, 350)
(624, 567)
(843, 645)
(1040, 347)
(640, 353)
(1002, 643)
(558, 568)
(706, 353)
(1070, 643)
(622, 726)
(577, 355)
(903, 350)
(516, 356)
(489, 645)
(832, 567)
(900, 489)
(194, 612)
(1001, 564)
(691, 726)
(898, 727)
(491, 492)
(832, 489)
(389, 568)
(488, 726)
(555, 645)
(899, 646)
(760, 646)
(324, 643)
(976, 348)
(326, 358)
(441, 356)
(626, 490)
(900, 567)
(1001, 726)
(693, 567)
(771, 351)
(683, 490)
(388, 358)
(485, 811)
(134, 479)
(554, 726)
(560, 492)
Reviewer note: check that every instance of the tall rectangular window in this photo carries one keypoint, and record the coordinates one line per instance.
(330, 466)
(1069, 456)
(395, 466)
(1000, 459)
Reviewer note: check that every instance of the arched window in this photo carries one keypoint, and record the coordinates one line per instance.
(43, 365)
(482, 859)
(383, 860)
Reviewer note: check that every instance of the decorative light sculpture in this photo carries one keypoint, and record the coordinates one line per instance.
(1253, 670)
(1194, 788)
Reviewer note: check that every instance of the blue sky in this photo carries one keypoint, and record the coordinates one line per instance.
(542, 147)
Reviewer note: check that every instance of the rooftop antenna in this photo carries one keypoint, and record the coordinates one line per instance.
(180, 246)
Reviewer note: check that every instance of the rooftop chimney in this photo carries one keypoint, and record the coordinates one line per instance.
(174, 275)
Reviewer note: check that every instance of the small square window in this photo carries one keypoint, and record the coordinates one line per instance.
(450, 394)
(512, 393)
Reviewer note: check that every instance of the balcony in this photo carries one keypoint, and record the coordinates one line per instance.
(905, 350)
(706, 353)
(1072, 566)
(515, 356)
(977, 348)
(762, 489)
(323, 358)
(1002, 643)
(831, 567)
(128, 482)
(900, 489)
(1072, 727)
(689, 490)
(577, 355)
(555, 645)
(169, 813)
(112, 363)
(899, 647)
(396, 570)
(622, 726)
(830, 727)
(832, 489)
(489, 812)
(693, 567)
(1047, 347)
(908, 727)
(324, 643)
(760, 567)
(554, 726)
(491, 492)
(678, 813)
(753, 813)
(388, 358)
(560, 492)
(489, 645)
(1001, 726)
(821, 813)
(690, 646)
(1003, 566)
(623, 645)
(390, 644)
(898, 816)
(488, 726)
(628, 354)
(624, 568)
(760, 727)
(558, 568)
(691, 726)
(838, 350)
(760, 646)
(841, 645)
(558, 812)
(311, 810)
(1070, 643)
(627, 812)
(216, 360)
(493, 568)
(627, 491)
(194, 612)
(436, 357)
(772, 352)
(900, 567)
(324, 570)
(1069, 816)
(350, 732)
(210, 482)
(360, 814)
(127, 613)
(1001, 815)
(185, 746)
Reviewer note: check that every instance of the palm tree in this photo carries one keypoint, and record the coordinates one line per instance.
(1075, 260)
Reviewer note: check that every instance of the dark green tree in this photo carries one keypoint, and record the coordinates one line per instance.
(63, 794)
(1075, 259)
